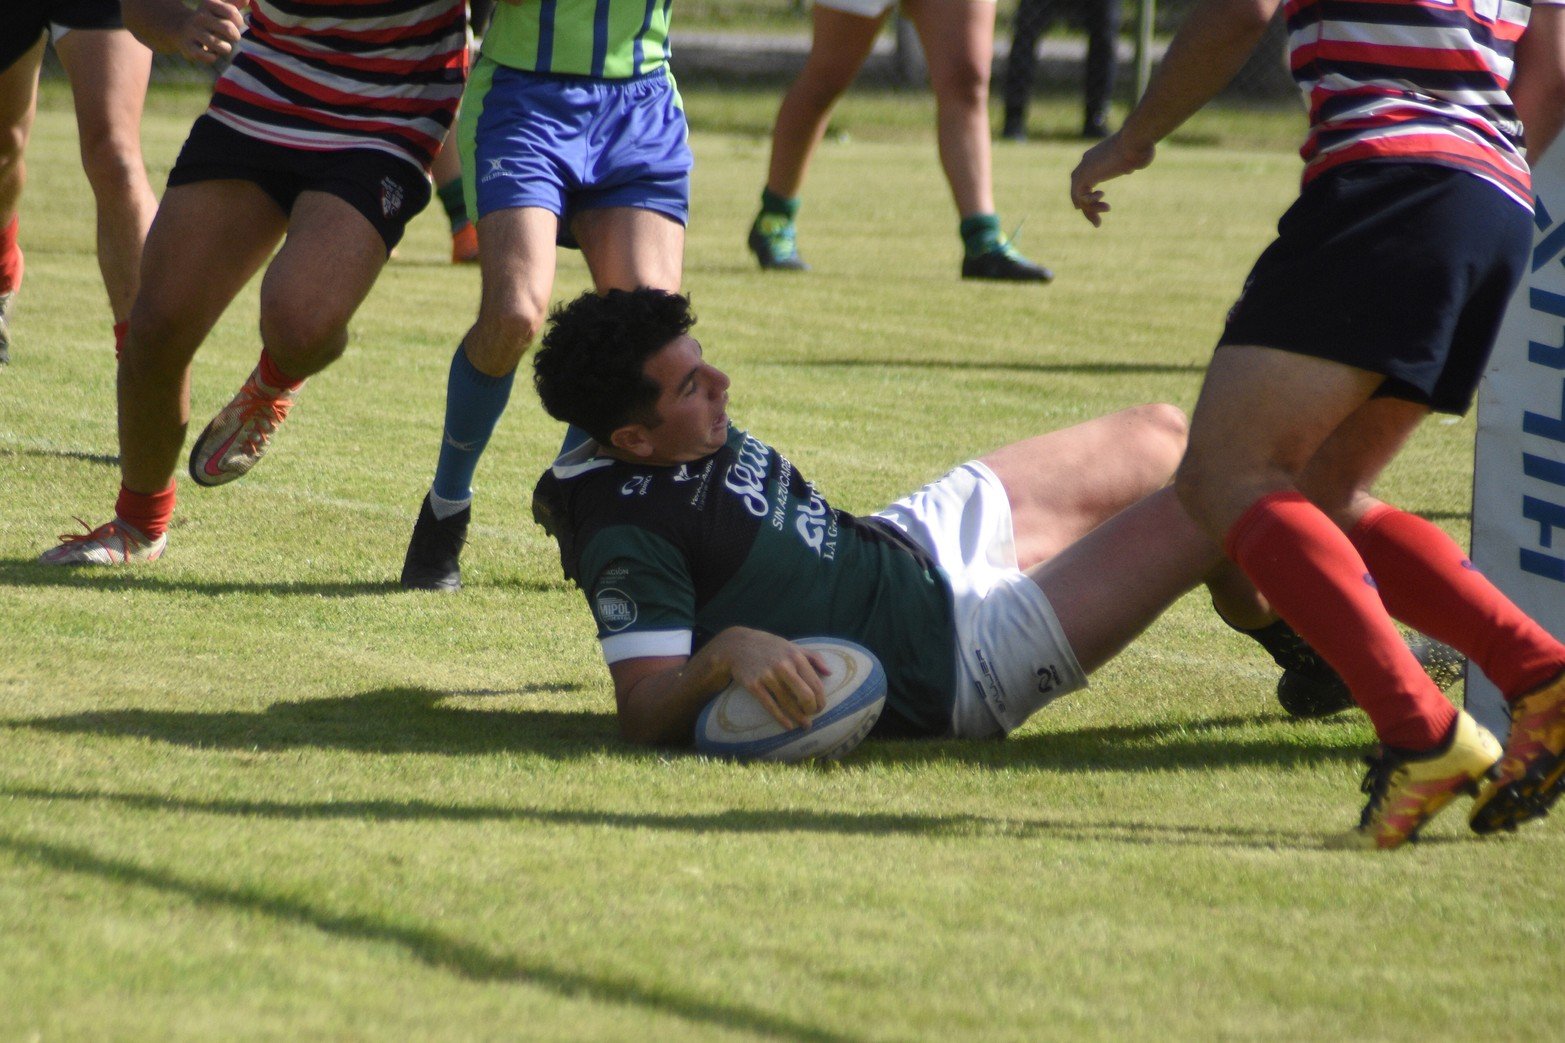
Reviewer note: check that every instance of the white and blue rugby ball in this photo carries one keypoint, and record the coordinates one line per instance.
(734, 725)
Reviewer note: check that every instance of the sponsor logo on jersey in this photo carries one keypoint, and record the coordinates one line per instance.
(637, 486)
(747, 476)
(616, 610)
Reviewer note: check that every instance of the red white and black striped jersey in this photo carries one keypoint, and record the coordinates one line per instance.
(325, 75)
(1417, 80)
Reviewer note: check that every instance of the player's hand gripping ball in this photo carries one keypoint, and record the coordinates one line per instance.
(733, 724)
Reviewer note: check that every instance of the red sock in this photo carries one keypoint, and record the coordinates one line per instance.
(149, 512)
(1316, 581)
(1427, 582)
(10, 257)
(119, 338)
(273, 378)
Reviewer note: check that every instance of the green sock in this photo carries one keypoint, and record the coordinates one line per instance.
(980, 234)
(450, 196)
(783, 206)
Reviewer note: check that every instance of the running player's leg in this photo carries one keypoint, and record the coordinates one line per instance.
(958, 39)
(224, 230)
(18, 102)
(841, 39)
(516, 257)
(108, 70)
(328, 263)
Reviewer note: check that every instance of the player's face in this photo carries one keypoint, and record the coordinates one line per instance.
(692, 402)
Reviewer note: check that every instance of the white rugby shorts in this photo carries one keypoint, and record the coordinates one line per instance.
(1012, 656)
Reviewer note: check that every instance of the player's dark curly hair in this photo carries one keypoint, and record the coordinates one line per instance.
(588, 370)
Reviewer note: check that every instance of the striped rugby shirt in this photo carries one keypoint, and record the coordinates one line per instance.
(326, 75)
(604, 39)
(1416, 80)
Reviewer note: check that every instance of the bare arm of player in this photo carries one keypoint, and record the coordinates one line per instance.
(660, 697)
(1205, 54)
(1538, 88)
(203, 34)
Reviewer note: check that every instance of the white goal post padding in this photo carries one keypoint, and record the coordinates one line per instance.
(1519, 466)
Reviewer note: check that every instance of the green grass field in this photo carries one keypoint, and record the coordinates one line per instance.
(257, 791)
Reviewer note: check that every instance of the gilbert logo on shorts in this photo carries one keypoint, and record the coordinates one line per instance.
(390, 196)
(615, 609)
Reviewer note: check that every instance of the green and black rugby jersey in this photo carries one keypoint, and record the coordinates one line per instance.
(607, 39)
(670, 556)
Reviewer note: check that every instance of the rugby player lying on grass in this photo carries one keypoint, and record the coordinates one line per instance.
(985, 595)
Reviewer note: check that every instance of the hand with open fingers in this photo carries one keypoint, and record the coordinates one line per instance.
(1110, 158)
(784, 678)
(211, 30)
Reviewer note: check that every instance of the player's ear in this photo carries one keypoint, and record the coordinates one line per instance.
(632, 440)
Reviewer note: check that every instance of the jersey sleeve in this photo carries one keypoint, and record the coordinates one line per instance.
(639, 588)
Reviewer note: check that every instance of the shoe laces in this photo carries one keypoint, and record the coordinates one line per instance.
(1382, 768)
(262, 413)
(102, 534)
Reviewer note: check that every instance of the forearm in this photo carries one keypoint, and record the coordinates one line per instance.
(661, 709)
(1538, 87)
(159, 24)
(1205, 54)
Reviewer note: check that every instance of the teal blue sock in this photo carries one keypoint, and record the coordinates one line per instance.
(772, 203)
(980, 234)
(450, 196)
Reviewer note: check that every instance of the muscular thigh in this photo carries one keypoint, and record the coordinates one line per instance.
(628, 248)
(328, 263)
(205, 243)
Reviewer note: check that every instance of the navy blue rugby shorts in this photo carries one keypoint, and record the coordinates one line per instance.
(1397, 268)
(22, 22)
(387, 189)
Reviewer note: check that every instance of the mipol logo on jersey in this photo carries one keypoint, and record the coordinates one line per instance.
(616, 610)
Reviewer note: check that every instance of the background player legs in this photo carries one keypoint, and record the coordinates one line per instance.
(18, 103)
(958, 39)
(108, 72)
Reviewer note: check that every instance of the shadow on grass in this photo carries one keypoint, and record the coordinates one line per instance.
(752, 820)
(26, 572)
(413, 720)
(1219, 742)
(105, 459)
(386, 720)
(436, 949)
(980, 365)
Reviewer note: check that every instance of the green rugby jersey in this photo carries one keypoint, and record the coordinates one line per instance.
(670, 556)
(607, 39)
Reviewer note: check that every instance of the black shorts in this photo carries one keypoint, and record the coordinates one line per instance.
(1404, 269)
(388, 190)
(23, 21)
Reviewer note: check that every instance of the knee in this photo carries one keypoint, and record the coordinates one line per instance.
(301, 331)
(158, 343)
(964, 84)
(13, 141)
(113, 166)
(502, 335)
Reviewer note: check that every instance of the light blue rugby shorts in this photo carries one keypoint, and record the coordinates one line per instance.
(573, 143)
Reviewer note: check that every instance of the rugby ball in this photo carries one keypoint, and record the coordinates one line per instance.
(734, 725)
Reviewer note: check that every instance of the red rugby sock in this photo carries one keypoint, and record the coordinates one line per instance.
(149, 512)
(1428, 583)
(10, 257)
(1317, 582)
(272, 378)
